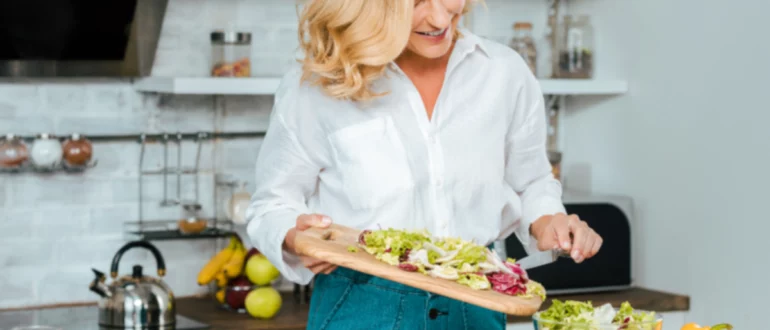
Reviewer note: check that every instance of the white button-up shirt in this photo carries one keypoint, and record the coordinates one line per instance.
(478, 169)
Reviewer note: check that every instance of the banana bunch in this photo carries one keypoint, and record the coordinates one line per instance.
(225, 265)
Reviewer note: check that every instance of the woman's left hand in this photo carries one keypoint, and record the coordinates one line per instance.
(567, 232)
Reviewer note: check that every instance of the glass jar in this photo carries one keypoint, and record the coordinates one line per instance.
(554, 157)
(192, 221)
(46, 151)
(77, 151)
(13, 152)
(523, 43)
(576, 52)
(230, 54)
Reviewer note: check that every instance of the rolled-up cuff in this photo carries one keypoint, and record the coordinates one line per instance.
(533, 210)
(269, 240)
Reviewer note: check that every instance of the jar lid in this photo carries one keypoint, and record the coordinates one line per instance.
(192, 206)
(75, 137)
(10, 137)
(45, 136)
(240, 38)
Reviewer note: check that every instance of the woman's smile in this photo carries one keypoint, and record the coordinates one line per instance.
(434, 36)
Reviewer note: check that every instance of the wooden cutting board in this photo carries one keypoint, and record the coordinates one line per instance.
(331, 245)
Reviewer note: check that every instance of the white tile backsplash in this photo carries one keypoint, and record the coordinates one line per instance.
(54, 228)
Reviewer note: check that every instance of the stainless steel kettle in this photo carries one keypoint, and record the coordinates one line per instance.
(135, 301)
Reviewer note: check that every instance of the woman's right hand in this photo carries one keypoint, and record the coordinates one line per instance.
(304, 222)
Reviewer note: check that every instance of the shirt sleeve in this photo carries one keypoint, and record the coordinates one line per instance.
(527, 167)
(286, 175)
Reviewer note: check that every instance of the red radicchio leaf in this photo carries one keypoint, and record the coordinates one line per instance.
(407, 267)
(405, 256)
(516, 269)
(510, 284)
(361, 237)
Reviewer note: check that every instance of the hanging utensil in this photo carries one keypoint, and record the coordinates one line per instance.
(178, 168)
(201, 136)
(165, 201)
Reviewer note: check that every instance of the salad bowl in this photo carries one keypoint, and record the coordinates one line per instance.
(571, 315)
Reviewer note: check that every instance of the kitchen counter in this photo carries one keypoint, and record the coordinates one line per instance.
(293, 316)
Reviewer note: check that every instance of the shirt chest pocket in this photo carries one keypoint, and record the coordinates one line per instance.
(372, 161)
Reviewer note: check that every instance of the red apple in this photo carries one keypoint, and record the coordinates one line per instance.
(250, 253)
(237, 290)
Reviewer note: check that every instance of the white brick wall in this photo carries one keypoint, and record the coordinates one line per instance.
(55, 228)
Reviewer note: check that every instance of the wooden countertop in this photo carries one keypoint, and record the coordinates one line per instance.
(293, 316)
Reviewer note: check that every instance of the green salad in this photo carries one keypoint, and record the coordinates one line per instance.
(449, 258)
(578, 315)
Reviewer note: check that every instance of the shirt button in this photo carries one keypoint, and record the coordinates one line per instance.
(439, 182)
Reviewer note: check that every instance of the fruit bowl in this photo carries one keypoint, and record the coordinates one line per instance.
(540, 324)
(233, 297)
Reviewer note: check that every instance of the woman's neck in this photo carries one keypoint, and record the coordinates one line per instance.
(409, 61)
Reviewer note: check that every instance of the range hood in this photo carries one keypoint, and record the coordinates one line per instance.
(79, 38)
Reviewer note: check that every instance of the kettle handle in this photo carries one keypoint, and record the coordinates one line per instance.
(143, 244)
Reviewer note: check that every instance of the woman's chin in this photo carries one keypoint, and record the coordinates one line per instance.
(432, 51)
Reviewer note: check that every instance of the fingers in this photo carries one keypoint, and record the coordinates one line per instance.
(311, 262)
(561, 229)
(306, 221)
(330, 269)
(595, 247)
(318, 266)
(581, 234)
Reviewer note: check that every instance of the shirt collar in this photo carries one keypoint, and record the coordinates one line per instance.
(469, 42)
(464, 46)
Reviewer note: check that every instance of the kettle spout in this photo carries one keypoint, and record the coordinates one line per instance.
(98, 286)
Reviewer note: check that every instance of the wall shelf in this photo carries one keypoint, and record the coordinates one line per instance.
(583, 87)
(208, 86)
(268, 86)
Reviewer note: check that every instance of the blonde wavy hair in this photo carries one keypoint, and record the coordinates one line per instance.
(348, 44)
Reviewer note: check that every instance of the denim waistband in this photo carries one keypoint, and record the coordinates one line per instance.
(366, 279)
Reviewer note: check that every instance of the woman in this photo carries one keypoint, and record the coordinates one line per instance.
(396, 119)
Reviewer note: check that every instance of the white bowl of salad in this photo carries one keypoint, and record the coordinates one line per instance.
(577, 315)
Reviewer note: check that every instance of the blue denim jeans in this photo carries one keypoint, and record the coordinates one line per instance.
(347, 299)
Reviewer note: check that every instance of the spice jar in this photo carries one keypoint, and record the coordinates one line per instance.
(13, 152)
(576, 53)
(230, 54)
(523, 44)
(191, 222)
(555, 158)
(46, 151)
(77, 151)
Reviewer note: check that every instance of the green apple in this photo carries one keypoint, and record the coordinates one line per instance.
(263, 303)
(260, 271)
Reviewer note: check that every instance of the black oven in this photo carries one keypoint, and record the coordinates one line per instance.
(610, 269)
